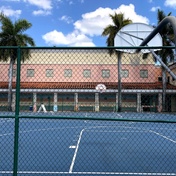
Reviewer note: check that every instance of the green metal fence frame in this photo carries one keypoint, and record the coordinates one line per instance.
(17, 115)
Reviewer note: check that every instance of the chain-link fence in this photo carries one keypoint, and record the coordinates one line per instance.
(84, 111)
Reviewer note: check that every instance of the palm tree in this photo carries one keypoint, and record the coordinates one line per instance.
(111, 31)
(12, 34)
(165, 54)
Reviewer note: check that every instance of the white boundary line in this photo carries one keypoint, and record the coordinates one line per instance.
(90, 173)
(38, 130)
(78, 143)
(165, 137)
(76, 151)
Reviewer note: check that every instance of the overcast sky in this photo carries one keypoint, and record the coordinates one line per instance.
(79, 22)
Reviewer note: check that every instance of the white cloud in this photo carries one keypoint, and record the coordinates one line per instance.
(8, 11)
(55, 37)
(67, 19)
(41, 12)
(93, 23)
(170, 3)
(129, 12)
(73, 39)
(154, 9)
(44, 4)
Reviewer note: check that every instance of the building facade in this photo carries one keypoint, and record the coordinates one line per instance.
(65, 80)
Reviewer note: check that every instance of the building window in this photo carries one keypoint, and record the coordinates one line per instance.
(68, 73)
(124, 73)
(87, 73)
(105, 73)
(144, 73)
(30, 72)
(49, 73)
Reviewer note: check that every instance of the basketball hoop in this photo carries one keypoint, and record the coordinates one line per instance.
(100, 88)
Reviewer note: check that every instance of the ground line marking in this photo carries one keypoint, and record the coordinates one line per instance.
(165, 137)
(95, 173)
(76, 151)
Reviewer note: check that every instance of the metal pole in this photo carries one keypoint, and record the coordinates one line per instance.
(145, 41)
(16, 133)
(119, 83)
(164, 65)
(166, 20)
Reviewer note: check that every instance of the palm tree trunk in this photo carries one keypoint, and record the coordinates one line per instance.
(164, 81)
(10, 85)
(119, 83)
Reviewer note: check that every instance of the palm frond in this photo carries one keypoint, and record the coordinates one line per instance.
(21, 25)
(167, 36)
(111, 30)
(12, 34)
(107, 30)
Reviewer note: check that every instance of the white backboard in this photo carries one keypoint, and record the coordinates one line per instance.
(133, 35)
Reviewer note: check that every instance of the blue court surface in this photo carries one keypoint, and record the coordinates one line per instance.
(90, 147)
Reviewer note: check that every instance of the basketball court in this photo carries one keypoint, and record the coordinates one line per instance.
(91, 147)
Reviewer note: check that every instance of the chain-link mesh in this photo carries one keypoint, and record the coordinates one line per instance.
(55, 121)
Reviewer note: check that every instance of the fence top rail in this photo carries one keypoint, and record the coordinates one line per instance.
(93, 48)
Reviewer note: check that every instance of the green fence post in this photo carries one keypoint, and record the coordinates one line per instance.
(17, 107)
(119, 83)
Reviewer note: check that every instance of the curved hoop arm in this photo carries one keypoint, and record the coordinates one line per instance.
(166, 20)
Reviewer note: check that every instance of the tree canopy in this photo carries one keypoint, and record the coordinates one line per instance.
(12, 34)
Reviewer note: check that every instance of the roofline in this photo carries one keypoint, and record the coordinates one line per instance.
(88, 91)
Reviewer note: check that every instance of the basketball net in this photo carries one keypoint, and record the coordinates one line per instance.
(101, 88)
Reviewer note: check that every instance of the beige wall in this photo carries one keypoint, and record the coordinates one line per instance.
(77, 61)
(83, 57)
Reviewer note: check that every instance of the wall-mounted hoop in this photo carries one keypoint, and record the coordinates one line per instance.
(101, 88)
